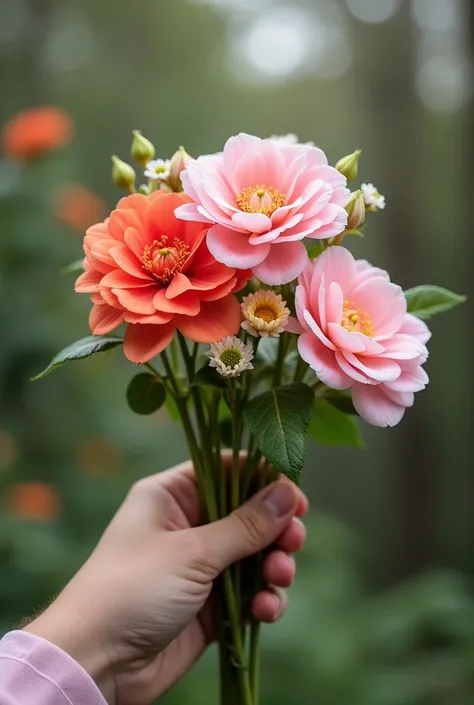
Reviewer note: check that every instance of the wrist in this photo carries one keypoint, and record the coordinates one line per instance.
(76, 638)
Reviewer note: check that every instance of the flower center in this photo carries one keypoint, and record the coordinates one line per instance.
(266, 313)
(164, 261)
(231, 357)
(260, 199)
(356, 320)
(160, 169)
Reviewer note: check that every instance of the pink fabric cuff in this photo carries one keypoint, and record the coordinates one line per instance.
(35, 672)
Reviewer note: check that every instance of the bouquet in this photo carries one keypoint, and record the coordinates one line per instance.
(253, 323)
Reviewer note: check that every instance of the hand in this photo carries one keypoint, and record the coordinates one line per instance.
(138, 613)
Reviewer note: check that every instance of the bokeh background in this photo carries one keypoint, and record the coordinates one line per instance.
(382, 611)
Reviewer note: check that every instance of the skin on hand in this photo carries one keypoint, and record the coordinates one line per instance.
(139, 612)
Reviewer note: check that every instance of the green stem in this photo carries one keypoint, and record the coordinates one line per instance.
(254, 668)
(236, 427)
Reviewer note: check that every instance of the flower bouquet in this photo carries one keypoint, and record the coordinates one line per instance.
(253, 324)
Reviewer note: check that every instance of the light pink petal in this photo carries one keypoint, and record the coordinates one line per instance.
(288, 227)
(252, 222)
(416, 327)
(337, 263)
(365, 269)
(282, 264)
(351, 371)
(279, 216)
(322, 305)
(189, 211)
(314, 327)
(233, 248)
(236, 146)
(322, 361)
(344, 340)
(301, 299)
(334, 303)
(333, 228)
(375, 406)
(187, 182)
(384, 302)
(294, 326)
(403, 347)
(377, 368)
(410, 381)
(261, 167)
(405, 399)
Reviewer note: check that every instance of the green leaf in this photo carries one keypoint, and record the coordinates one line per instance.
(428, 300)
(78, 350)
(341, 400)
(209, 376)
(332, 427)
(74, 267)
(145, 393)
(315, 249)
(279, 419)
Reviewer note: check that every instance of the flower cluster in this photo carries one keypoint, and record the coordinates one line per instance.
(167, 261)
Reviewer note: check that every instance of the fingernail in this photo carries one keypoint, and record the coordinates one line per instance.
(280, 499)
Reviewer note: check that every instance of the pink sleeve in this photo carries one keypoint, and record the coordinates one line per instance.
(35, 672)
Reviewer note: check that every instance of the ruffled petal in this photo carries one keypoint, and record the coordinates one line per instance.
(282, 264)
(142, 342)
(216, 320)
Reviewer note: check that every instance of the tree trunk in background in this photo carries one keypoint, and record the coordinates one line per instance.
(395, 123)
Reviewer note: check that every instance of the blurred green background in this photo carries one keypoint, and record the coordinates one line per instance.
(382, 611)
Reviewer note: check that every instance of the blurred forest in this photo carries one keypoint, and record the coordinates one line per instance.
(382, 611)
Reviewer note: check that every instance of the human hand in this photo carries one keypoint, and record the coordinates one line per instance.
(138, 613)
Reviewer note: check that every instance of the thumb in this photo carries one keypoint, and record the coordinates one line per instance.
(252, 527)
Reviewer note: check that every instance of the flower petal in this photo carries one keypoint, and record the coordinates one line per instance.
(103, 318)
(375, 406)
(322, 361)
(233, 248)
(282, 264)
(216, 320)
(143, 341)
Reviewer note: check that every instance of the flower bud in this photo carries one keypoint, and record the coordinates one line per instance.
(123, 175)
(142, 150)
(178, 163)
(349, 165)
(355, 211)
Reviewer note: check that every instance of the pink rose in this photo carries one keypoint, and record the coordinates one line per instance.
(357, 334)
(262, 198)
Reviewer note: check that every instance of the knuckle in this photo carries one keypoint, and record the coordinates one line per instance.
(252, 524)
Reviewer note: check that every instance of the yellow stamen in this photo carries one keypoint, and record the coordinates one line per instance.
(356, 320)
(260, 199)
(163, 261)
(266, 313)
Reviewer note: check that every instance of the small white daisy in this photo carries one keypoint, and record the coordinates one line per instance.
(158, 169)
(372, 198)
(230, 356)
(265, 313)
(290, 138)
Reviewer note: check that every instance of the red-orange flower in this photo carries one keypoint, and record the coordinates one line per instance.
(78, 207)
(36, 130)
(36, 501)
(146, 268)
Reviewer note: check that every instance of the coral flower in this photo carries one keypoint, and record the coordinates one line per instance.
(34, 501)
(78, 207)
(262, 198)
(36, 130)
(146, 268)
(357, 333)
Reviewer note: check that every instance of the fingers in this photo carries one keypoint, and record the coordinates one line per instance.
(269, 605)
(251, 527)
(293, 537)
(279, 569)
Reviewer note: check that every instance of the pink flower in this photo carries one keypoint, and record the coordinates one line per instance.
(357, 334)
(262, 198)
